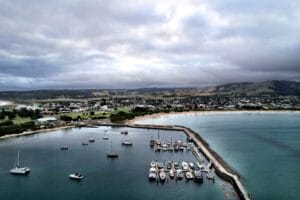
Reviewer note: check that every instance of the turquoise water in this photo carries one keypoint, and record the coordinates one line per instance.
(123, 178)
(263, 147)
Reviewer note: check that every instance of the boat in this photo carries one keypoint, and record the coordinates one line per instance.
(171, 174)
(192, 166)
(127, 142)
(176, 165)
(64, 148)
(124, 132)
(169, 165)
(105, 137)
(201, 166)
(85, 143)
(152, 174)
(171, 148)
(162, 175)
(179, 174)
(181, 148)
(153, 163)
(160, 165)
(158, 142)
(76, 176)
(189, 176)
(152, 143)
(198, 176)
(91, 140)
(19, 170)
(158, 148)
(184, 165)
(210, 175)
(112, 154)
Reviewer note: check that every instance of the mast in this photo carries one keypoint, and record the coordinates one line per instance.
(18, 159)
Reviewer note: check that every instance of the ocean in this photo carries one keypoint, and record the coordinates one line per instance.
(264, 147)
(123, 178)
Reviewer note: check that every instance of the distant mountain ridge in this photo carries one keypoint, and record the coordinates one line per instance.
(269, 88)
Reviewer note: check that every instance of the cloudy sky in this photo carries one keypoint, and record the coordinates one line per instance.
(146, 43)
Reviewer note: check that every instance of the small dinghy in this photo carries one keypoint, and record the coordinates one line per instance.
(76, 176)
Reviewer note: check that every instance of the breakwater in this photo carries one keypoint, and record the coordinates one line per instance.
(222, 169)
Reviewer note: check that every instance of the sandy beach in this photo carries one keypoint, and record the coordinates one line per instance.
(34, 132)
(158, 115)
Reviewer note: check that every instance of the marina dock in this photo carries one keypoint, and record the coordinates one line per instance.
(221, 167)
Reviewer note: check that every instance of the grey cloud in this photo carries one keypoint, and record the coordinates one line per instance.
(113, 44)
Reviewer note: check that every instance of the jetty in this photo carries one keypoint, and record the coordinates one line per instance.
(222, 169)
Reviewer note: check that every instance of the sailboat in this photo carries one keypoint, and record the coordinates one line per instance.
(112, 154)
(17, 169)
(105, 137)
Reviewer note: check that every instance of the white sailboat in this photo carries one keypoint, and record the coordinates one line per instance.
(17, 169)
(105, 137)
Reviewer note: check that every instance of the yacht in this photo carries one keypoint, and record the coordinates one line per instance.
(162, 175)
(76, 176)
(112, 154)
(64, 147)
(171, 174)
(127, 142)
(152, 174)
(19, 170)
(184, 165)
(198, 176)
(188, 175)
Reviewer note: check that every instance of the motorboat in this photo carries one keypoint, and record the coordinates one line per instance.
(91, 140)
(171, 174)
(179, 174)
(192, 166)
(152, 174)
(17, 170)
(76, 176)
(176, 165)
(162, 175)
(160, 165)
(152, 143)
(64, 148)
(198, 176)
(127, 142)
(169, 165)
(153, 163)
(189, 176)
(124, 132)
(184, 165)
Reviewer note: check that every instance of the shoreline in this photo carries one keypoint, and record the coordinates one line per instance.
(162, 114)
(26, 133)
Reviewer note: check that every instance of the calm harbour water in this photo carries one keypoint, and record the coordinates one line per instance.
(263, 147)
(123, 178)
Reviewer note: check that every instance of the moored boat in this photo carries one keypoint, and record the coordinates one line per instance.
(64, 147)
(76, 176)
(17, 170)
(171, 174)
(189, 176)
(112, 154)
(127, 142)
(184, 165)
(198, 176)
(152, 174)
(162, 175)
(91, 140)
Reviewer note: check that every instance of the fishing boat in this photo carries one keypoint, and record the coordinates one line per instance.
(198, 176)
(127, 142)
(162, 175)
(76, 176)
(152, 174)
(112, 154)
(91, 140)
(64, 148)
(19, 170)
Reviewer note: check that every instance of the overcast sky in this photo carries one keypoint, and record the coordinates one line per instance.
(149, 43)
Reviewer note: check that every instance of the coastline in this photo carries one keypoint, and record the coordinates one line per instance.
(34, 132)
(162, 114)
